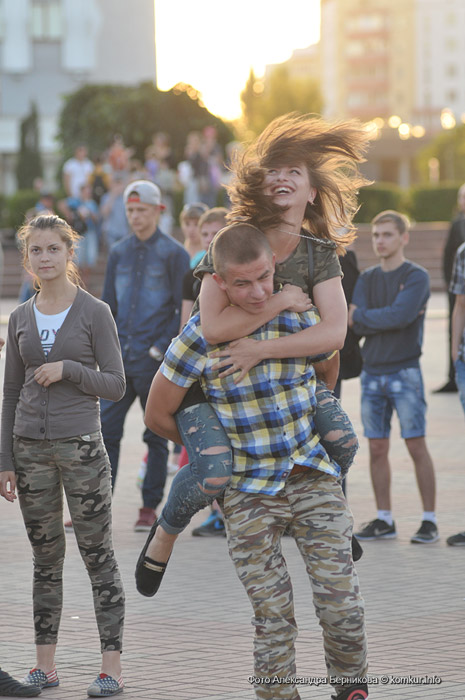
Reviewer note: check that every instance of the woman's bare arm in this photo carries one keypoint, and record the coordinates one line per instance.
(222, 322)
(327, 335)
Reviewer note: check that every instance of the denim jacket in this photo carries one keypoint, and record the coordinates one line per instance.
(143, 287)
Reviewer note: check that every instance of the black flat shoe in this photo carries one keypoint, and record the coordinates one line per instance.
(357, 550)
(449, 387)
(149, 573)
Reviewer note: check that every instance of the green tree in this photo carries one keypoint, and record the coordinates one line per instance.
(280, 94)
(449, 149)
(94, 113)
(29, 164)
(251, 99)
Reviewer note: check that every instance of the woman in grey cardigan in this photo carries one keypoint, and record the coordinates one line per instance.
(62, 354)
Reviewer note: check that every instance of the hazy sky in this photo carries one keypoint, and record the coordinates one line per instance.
(212, 44)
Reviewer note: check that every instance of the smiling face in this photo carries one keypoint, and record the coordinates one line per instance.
(48, 255)
(249, 285)
(289, 186)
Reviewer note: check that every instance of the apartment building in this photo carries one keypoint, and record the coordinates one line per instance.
(439, 62)
(304, 64)
(399, 62)
(394, 57)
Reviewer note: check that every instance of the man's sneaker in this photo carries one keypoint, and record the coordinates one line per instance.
(212, 527)
(427, 533)
(40, 679)
(104, 686)
(456, 540)
(147, 518)
(377, 530)
(353, 692)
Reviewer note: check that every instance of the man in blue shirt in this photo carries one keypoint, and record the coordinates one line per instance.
(388, 307)
(143, 287)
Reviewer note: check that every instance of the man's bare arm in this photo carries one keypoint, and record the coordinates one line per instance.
(163, 401)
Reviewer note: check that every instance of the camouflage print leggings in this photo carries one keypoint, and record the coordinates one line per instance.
(79, 465)
(314, 510)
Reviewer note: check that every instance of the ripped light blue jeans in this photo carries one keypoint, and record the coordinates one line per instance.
(460, 379)
(209, 470)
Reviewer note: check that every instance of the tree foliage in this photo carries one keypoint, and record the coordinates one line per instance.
(29, 164)
(378, 197)
(280, 94)
(95, 113)
(433, 202)
(420, 202)
(449, 149)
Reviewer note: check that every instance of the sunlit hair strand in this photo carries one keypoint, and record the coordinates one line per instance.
(331, 153)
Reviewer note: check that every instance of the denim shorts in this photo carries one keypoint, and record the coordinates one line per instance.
(87, 249)
(460, 380)
(402, 391)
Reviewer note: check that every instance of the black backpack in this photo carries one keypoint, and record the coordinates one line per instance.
(350, 356)
(98, 188)
(78, 223)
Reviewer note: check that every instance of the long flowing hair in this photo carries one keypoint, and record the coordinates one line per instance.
(331, 152)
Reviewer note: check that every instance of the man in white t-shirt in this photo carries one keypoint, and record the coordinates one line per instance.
(76, 171)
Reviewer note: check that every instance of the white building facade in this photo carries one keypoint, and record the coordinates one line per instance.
(400, 63)
(49, 48)
(439, 60)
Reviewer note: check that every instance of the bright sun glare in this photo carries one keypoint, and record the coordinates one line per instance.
(212, 44)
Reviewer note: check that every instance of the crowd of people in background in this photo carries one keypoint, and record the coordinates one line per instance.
(200, 176)
(94, 186)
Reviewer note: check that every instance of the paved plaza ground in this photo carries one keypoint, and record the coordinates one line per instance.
(193, 641)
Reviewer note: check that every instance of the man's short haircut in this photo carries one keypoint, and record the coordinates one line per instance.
(238, 244)
(217, 214)
(399, 220)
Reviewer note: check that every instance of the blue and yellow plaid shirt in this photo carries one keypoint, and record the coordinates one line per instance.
(457, 286)
(268, 415)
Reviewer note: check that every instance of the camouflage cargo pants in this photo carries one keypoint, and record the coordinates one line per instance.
(313, 508)
(80, 466)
